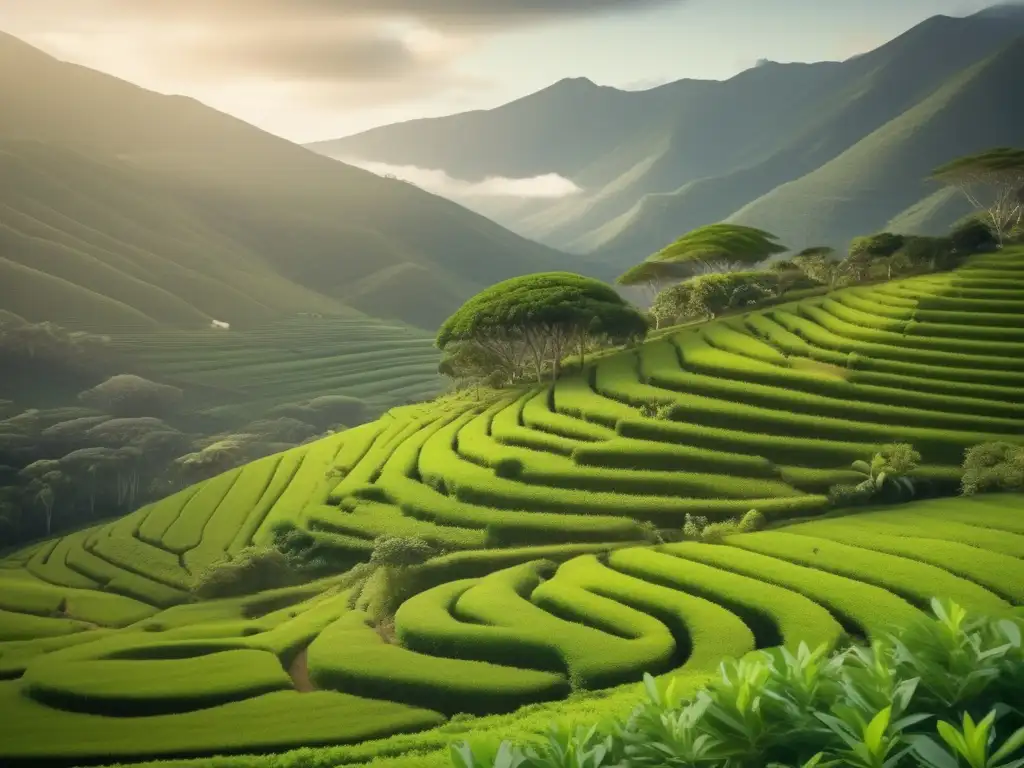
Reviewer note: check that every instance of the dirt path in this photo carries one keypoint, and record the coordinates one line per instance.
(299, 672)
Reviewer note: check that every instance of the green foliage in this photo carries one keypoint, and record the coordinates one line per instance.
(541, 318)
(886, 473)
(1000, 171)
(720, 244)
(869, 707)
(997, 466)
(254, 569)
(401, 552)
(129, 396)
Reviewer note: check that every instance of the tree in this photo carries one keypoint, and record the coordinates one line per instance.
(992, 181)
(972, 235)
(470, 364)
(714, 248)
(877, 246)
(540, 318)
(130, 396)
(820, 264)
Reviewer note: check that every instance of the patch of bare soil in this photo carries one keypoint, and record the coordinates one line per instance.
(299, 672)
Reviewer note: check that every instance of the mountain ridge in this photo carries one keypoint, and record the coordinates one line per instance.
(303, 226)
(692, 152)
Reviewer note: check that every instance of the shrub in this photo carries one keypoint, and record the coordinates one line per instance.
(886, 474)
(694, 526)
(715, 533)
(844, 495)
(993, 466)
(131, 396)
(253, 569)
(752, 521)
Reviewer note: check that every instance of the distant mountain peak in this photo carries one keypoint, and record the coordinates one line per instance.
(577, 81)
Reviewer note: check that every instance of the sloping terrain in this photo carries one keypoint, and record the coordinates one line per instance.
(106, 656)
(289, 361)
(656, 163)
(126, 209)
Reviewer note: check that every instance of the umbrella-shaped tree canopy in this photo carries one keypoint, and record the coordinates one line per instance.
(993, 182)
(705, 248)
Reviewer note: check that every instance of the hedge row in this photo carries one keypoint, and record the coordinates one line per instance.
(873, 304)
(273, 722)
(704, 631)
(119, 581)
(916, 582)
(926, 523)
(311, 484)
(186, 532)
(990, 355)
(730, 335)
(537, 413)
(154, 687)
(654, 482)
(425, 623)
(625, 453)
(287, 466)
(577, 396)
(633, 642)
(1002, 574)
(23, 626)
(351, 656)
(100, 608)
(776, 616)
(134, 556)
(863, 609)
(477, 563)
(721, 374)
(803, 451)
(873, 356)
(594, 658)
(51, 565)
(161, 515)
(369, 519)
(231, 514)
(507, 527)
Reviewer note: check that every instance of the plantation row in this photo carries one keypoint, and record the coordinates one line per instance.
(500, 630)
(294, 360)
(101, 639)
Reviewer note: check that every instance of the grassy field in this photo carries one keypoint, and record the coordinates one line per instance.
(545, 499)
(249, 371)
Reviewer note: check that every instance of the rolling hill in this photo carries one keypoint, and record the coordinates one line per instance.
(545, 500)
(656, 163)
(124, 209)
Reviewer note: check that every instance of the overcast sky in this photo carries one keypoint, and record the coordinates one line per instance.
(317, 69)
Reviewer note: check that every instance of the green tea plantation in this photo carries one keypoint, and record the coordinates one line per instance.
(559, 585)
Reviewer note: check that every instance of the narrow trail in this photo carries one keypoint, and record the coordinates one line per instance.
(299, 672)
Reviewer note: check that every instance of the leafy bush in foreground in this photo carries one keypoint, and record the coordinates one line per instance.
(936, 694)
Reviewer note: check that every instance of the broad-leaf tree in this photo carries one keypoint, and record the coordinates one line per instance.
(714, 248)
(541, 318)
(993, 182)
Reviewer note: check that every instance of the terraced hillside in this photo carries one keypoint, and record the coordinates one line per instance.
(292, 360)
(551, 583)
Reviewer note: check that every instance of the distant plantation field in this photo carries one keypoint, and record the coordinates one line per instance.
(547, 502)
(291, 360)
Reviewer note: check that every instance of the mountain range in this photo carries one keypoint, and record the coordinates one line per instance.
(121, 208)
(816, 153)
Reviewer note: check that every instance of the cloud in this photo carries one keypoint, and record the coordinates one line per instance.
(550, 185)
(314, 40)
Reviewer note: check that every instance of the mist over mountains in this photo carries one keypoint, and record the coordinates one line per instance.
(817, 153)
